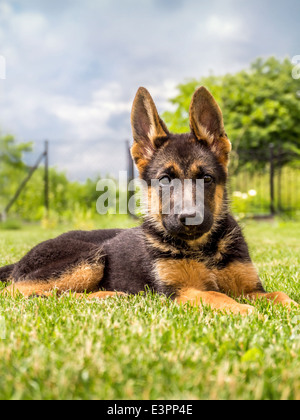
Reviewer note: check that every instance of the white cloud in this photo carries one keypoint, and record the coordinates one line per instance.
(6, 11)
(162, 92)
(89, 120)
(223, 27)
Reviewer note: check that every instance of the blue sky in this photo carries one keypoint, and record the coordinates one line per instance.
(73, 67)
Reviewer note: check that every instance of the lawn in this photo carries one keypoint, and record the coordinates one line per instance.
(146, 347)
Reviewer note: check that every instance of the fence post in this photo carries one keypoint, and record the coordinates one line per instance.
(47, 177)
(23, 184)
(272, 202)
(279, 172)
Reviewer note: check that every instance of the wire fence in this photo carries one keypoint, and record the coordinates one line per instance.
(263, 184)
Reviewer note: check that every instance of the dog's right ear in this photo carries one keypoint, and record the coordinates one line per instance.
(207, 124)
(148, 130)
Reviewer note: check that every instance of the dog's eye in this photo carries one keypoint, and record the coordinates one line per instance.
(207, 179)
(165, 180)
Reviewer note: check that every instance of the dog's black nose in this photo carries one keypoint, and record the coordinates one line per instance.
(186, 216)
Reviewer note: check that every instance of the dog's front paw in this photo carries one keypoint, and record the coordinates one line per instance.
(289, 303)
(282, 299)
(240, 309)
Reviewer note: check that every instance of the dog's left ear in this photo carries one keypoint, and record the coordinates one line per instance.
(206, 122)
(149, 131)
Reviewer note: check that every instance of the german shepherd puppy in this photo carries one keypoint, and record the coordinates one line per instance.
(205, 263)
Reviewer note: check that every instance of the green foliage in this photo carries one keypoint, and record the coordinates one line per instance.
(260, 106)
(12, 166)
(11, 224)
(69, 201)
(65, 197)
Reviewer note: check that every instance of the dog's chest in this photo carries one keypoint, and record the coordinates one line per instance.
(184, 273)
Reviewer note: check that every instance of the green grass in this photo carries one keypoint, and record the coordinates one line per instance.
(146, 347)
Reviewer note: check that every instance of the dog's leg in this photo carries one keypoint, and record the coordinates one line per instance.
(45, 290)
(274, 297)
(30, 289)
(85, 276)
(98, 295)
(241, 280)
(60, 264)
(196, 284)
(215, 300)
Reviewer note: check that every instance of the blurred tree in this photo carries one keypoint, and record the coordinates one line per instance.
(12, 166)
(261, 105)
(67, 198)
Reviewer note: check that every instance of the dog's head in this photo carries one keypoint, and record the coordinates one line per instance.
(166, 160)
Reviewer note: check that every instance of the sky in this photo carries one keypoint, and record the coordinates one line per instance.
(73, 67)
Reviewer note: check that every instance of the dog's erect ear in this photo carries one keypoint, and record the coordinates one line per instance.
(206, 121)
(206, 118)
(149, 131)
